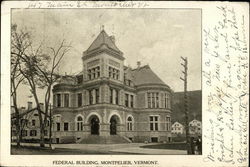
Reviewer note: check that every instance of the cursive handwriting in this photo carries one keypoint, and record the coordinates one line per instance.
(87, 4)
(225, 74)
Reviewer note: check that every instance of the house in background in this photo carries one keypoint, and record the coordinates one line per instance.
(178, 128)
(29, 123)
(195, 127)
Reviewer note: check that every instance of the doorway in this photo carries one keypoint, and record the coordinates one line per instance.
(113, 125)
(95, 125)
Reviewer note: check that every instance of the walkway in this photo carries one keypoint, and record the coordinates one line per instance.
(128, 148)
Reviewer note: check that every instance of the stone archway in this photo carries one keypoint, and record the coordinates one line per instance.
(114, 120)
(94, 125)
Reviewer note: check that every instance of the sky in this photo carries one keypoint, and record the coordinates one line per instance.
(157, 37)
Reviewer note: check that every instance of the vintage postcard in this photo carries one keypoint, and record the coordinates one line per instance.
(133, 83)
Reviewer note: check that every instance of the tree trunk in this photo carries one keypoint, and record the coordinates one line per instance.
(42, 140)
(17, 125)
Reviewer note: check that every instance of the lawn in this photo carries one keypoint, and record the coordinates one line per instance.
(172, 146)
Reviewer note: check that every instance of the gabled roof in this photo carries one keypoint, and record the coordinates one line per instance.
(25, 112)
(144, 75)
(102, 39)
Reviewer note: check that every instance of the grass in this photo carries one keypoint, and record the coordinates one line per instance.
(172, 146)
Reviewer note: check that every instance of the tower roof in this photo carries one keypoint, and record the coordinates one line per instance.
(144, 75)
(103, 39)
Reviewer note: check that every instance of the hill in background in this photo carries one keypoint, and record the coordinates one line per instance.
(194, 106)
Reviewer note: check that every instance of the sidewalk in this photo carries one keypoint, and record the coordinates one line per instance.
(128, 148)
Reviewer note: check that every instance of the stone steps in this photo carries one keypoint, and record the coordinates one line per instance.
(96, 139)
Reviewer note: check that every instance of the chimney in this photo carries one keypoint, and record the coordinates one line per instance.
(112, 38)
(41, 106)
(29, 105)
(138, 64)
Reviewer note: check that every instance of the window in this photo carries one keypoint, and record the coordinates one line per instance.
(153, 100)
(33, 133)
(98, 71)
(90, 97)
(153, 123)
(54, 100)
(79, 99)
(45, 133)
(157, 100)
(114, 96)
(126, 99)
(114, 73)
(33, 123)
(168, 122)
(66, 126)
(58, 126)
(24, 132)
(47, 124)
(94, 73)
(131, 101)
(111, 96)
(149, 100)
(66, 100)
(58, 98)
(167, 101)
(79, 123)
(24, 122)
(97, 95)
(130, 124)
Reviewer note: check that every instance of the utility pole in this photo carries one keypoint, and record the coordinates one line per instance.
(186, 103)
(50, 126)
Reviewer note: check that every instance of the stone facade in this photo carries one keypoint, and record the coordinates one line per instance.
(108, 98)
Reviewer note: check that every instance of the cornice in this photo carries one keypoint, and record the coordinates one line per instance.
(111, 52)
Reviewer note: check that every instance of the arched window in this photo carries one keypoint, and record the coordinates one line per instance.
(130, 123)
(79, 123)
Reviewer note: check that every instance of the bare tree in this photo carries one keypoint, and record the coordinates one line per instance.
(48, 76)
(38, 66)
(19, 45)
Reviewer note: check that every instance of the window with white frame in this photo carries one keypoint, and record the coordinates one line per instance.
(79, 123)
(154, 123)
(130, 123)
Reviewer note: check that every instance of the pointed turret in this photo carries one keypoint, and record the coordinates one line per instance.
(104, 42)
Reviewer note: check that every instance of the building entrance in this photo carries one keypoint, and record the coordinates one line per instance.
(95, 125)
(113, 125)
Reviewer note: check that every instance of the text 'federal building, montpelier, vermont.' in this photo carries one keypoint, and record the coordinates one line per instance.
(109, 102)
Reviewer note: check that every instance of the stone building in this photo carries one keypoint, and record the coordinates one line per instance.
(109, 102)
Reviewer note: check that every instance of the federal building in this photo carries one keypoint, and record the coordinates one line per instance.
(108, 102)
